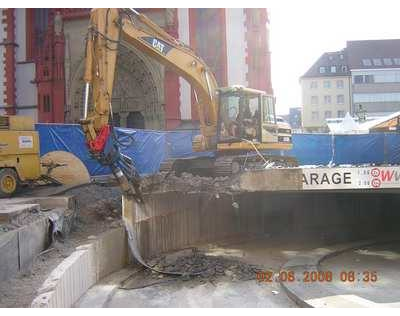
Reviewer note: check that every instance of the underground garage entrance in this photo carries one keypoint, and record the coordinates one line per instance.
(224, 246)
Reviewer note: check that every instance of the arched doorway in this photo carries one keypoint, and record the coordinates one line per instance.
(135, 120)
(138, 93)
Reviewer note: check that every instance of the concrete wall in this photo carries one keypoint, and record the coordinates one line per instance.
(175, 220)
(18, 248)
(82, 269)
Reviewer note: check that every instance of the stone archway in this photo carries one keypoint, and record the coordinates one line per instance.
(138, 91)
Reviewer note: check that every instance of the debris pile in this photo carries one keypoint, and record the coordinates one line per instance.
(164, 182)
(102, 202)
(192, 262)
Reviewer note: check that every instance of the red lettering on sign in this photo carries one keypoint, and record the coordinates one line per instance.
(387, 175)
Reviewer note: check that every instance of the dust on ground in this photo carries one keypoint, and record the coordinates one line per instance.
(99, 209)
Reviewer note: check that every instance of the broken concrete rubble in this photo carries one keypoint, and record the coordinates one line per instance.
(192, 262)
(273, 179)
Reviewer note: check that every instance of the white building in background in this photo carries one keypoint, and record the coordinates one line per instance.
(325, 91)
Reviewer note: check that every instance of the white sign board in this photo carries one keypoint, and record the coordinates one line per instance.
(351, 178)
(25, 141)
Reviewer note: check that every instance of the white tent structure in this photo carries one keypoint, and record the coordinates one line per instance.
(346, 126)
(349, 125)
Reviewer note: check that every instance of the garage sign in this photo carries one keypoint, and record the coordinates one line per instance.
(351, 178)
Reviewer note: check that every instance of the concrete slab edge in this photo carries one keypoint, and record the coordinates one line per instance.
(76, 274)
(311, 261)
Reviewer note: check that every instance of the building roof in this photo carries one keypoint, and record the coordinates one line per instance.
(373, 54)
(328, 60)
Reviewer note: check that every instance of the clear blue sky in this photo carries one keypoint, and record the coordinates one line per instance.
(301, 31)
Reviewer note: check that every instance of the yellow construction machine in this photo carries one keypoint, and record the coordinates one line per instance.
(20, 162)
(19, 153)
(237, 124)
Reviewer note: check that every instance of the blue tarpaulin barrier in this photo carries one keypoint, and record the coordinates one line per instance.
(149, 148)
(323, 149)
(312, 150)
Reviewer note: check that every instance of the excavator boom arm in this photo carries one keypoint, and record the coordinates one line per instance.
(111, 27)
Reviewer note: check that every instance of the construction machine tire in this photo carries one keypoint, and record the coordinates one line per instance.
(64, 168)
(9, 182)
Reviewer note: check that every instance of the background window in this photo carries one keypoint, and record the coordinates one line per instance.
(321, 70)
(364, 79)
(369, 78)
(396, 61)
(314, 100)
(328, 114)
(366, 62)
(377, 97)
(340, 99)
(387, 61)
(340, 113)
(327, 84)
(339, 84)
(358, 79)
(46, 103)
(333, 69)
(377, 62)
(314, 115)
(327, 99)
(314, 85)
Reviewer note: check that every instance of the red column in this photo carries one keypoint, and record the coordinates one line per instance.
(10, 89)
(258, 56)
(207, 34)
(58, 78)
(50, 77)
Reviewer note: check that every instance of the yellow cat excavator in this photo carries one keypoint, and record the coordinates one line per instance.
(237, 124)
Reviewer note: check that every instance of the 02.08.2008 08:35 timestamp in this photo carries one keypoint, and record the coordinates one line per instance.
(317, 276)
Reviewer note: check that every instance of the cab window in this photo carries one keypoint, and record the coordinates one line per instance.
(268, 110)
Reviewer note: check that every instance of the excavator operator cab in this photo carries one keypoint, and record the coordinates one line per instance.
(246, 114)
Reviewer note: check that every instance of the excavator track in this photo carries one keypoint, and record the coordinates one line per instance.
(225, 166)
